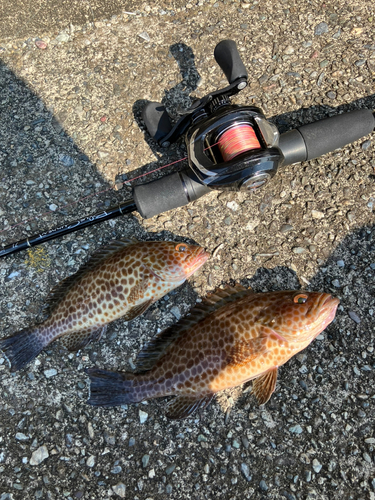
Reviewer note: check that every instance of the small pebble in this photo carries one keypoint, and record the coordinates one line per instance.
(263, 485)
(289, 50)
(50, 373)
(39, 455)
(117, 469)
(299, 250)
(340, 263)
(145, 460)
(331, 94)
(66, 160)
(317, 466)
(350, 216)
(366, 145)
(336, 283)
(62, 37)
(90, 462)
(246, 471)
(354, 317)
(245, 442)
(233, 205)
(119, 489)
(176, 312)
(201, 438)
(170, 469)
(321, 28)
(143, 416)
(296, 429)
(285, 228)
(21, 437)
(145, 36)
(41, 44)
(316, 214)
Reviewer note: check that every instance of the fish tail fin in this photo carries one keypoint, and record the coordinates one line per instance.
(22, 347)
(113, 388)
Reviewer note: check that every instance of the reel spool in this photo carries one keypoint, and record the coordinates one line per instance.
(237, 139)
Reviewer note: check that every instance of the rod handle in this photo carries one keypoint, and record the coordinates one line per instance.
(168, 192)
(321, 137)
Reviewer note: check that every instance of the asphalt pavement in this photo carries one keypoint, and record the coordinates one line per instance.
(74, 78)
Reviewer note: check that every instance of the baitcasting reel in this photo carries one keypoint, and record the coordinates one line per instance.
(229, 148)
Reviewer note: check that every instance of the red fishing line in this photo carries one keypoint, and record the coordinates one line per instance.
(237, 140)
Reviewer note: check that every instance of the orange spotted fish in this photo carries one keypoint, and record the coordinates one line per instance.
(233, 337)
(121, 280)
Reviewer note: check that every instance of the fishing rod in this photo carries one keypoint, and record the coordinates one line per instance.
(230, 147)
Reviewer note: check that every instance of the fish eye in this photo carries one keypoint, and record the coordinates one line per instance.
(300, 298)
(181, 248)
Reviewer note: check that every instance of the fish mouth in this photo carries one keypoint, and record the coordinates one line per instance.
(198, 260)
(328, 307)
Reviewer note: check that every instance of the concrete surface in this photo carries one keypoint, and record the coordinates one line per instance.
(70, 129)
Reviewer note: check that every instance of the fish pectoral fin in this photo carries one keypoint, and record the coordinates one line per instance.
(75, 341)
(184, 406)
(245, 352)
(137, 310)
(264, 386)
(142, 284)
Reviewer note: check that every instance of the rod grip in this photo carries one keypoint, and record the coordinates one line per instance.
(172, 191)
(321, 137)
(229, 60)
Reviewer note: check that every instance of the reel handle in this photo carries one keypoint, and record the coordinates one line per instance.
(321, 137)
(229, 60)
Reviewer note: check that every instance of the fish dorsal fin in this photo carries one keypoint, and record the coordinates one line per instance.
(264, 386)
(183, 406)
(158, 345)
(59, 291)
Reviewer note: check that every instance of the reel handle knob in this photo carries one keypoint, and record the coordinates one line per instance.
(229, 60)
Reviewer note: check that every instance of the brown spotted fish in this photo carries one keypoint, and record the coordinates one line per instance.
(234, 336)
(121, 280)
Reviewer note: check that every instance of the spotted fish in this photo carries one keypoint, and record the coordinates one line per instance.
(233, 337)
(121, 280)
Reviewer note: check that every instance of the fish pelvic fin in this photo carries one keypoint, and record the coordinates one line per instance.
(112, 388)
(75, 341)
(184, 406)
(136, 311)
(264, 386)
(22, 347)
